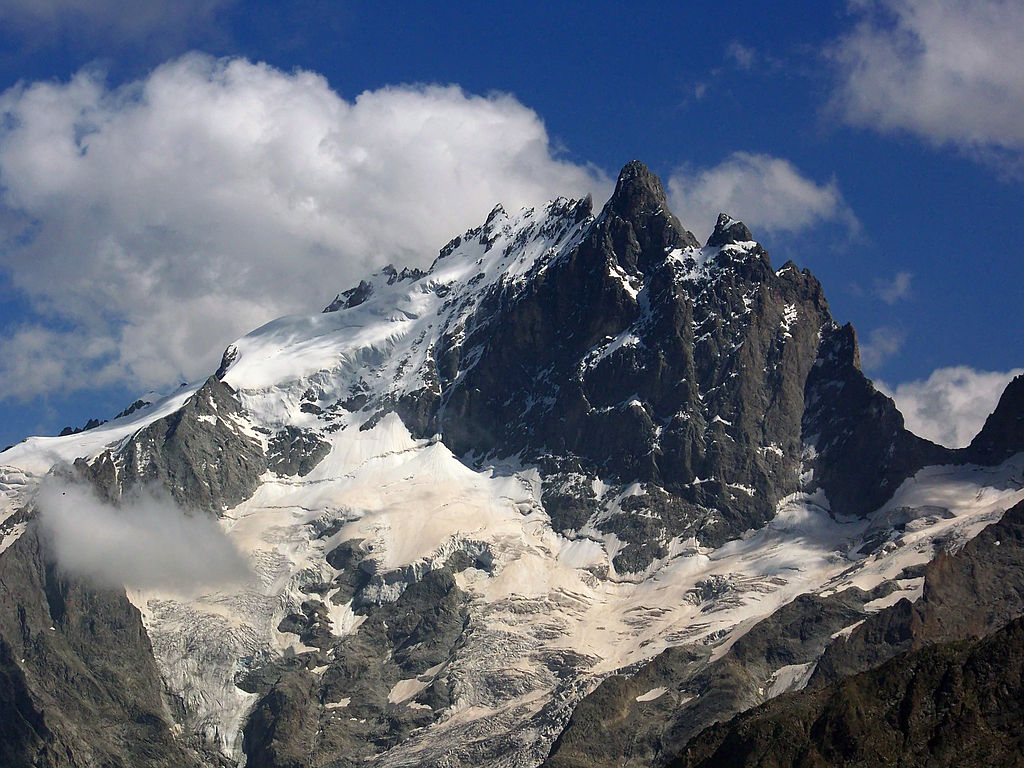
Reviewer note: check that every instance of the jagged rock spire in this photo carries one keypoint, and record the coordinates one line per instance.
(1003, 433)
(729, 230)
(637, 223)
(638, 192)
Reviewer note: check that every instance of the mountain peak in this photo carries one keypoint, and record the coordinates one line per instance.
(1003, 432)
(637, 192)
(564, 404)
(729, 230)
(636, 224)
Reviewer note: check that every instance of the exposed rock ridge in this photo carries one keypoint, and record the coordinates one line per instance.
(201, 454)
(921, 657)
(338, 706)
(1003, 433)
(616, 350)
(955, 704)
(638, 356)
(78, 684)
(967, 594)
(856, 445)
(728, 231)
(646, 718)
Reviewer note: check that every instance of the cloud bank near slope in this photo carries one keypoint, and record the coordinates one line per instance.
(951, 405)
(147, 542)
(151, 224)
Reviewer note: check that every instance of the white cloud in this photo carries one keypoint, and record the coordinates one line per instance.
(767, 193)
(946, 70)
(162, 219)
(895, 288)
(35, 359)
(146, 542)
(882, 343)
(951, 405)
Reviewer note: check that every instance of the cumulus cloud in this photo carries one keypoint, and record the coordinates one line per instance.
(147, 542)
(944, 70)
(951, 405)
(35, 359)
(881, 344)
(767, 193)
(162, 219)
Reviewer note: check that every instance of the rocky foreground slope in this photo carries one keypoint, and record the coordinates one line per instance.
(950, 693)
(578, 491)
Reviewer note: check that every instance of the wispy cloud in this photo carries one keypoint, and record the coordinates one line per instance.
(895, 288)
(951, 405)
(881, 345)
(766, 192)
(154, 223)
(741, 55)
(946, 71)
(146, 542)
(110, 22)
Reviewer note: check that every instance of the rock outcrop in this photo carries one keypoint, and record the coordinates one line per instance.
(955, 705)
(78, 684)
(201, 454)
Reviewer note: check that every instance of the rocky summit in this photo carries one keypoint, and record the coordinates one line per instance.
(570, 497)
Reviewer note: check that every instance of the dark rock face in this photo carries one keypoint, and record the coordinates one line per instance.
(90, 424)
(1003, 433)
(138, 405)
(78, 684)
(861, 451)
(969, 594)
(283, 727)
(533, 342)
(935, 682)
(345, 715)
(353, 297)
(294, 451)
(199, 454)
(629, 360)
(958, 704)
(729, 231)
(610, 727)
(632, 355)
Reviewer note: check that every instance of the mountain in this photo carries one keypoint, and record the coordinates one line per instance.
(579, 490)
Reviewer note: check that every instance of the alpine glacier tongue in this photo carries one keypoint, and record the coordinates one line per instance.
(575, 445)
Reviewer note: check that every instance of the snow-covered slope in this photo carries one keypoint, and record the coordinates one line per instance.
(412, 504)
(36, 455)
(379, 347)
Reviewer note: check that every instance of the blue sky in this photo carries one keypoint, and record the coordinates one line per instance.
(171, 176)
